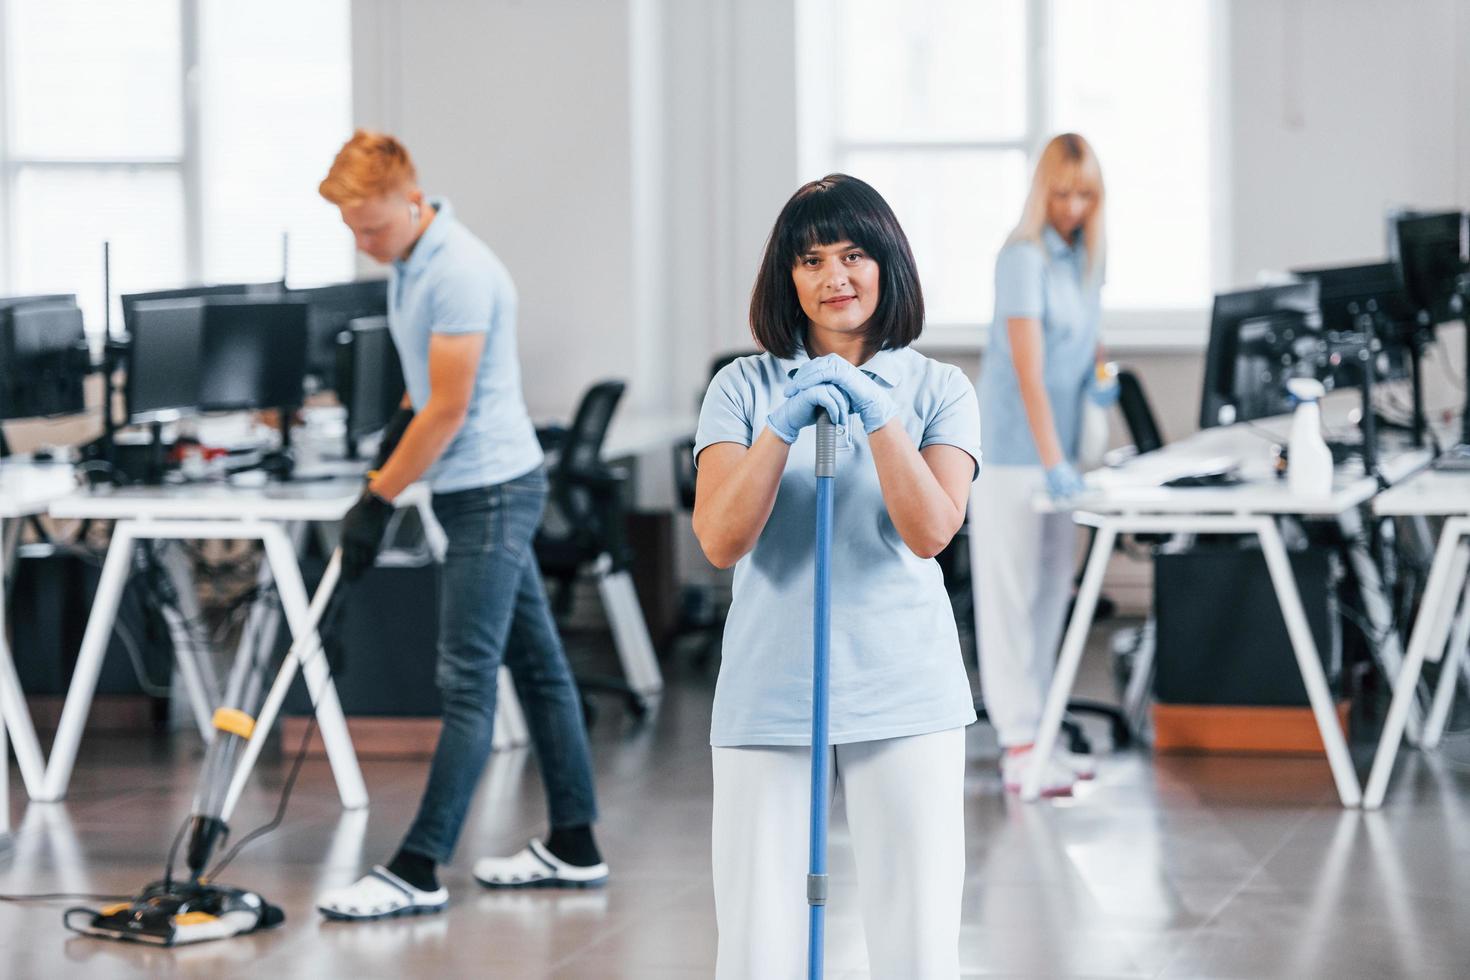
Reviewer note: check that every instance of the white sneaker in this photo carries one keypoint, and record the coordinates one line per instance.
(533, 866)
(1056, 778)
(1084, 765)
(380, 894)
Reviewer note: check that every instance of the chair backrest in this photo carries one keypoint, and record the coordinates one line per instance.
(723, 360)
(1137, 415)
(684, 474)
(581, 449)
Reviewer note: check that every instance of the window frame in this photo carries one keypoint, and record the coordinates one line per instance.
(188, 164)
(1151, 329)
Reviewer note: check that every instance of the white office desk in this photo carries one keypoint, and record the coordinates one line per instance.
(26, 490)
(274, 514)
(197, 512)
(1129, 500)
(1439, 494)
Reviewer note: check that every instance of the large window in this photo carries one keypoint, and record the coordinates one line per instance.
(943, 104)
(189, 134)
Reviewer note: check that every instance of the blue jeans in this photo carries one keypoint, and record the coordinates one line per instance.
(493, 610)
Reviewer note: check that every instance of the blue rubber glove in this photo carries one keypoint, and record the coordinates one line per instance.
(1063, 482)
(1104, 396)
(865, 395)
(800, 409)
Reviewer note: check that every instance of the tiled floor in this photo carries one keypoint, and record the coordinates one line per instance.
(1173, 867)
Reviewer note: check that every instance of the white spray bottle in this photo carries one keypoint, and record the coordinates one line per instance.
(1309, 461)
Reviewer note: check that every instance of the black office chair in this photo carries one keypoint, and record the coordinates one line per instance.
(1137, 415)
(582, 532)
(699, 612)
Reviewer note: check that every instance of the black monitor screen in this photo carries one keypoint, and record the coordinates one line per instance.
(1355, 297)
(252, 289)
(66, 299)
(164, 357)
(43, 361)
(1258, 339)
(1434, 261)
(370, 380)
(332, 309)
(253, 354)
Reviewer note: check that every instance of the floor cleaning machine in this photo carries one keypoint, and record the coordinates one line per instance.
(194, 908)
(816, 882)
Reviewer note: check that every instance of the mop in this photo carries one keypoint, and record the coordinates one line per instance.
(175, 912)
(816, 880)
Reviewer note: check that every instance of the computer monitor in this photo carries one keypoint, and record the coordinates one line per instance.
(369, 377)
(167, 340)
(253, 354)
(332, 309)
(65, 299)
(43, 360)
(251, 289)
(1369, 297)
(1434, 264)
(1259, 338)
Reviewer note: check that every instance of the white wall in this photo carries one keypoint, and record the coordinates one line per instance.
(730, 137)
(1340, 110)
(519, 112)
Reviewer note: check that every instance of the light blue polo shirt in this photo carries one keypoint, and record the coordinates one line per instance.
(1049, 283)
(896, 663)
(451, 283)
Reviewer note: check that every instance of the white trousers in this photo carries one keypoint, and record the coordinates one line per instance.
(1021, 564)
(906, 814)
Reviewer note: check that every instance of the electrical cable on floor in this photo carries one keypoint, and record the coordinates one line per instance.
(260, 658)
(285, 801)
(173, 850)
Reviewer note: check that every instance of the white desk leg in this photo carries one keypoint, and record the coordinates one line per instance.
(1445, 574)
(305, 648)
(1135, 699)
(330, 721)
(630, 632)
(1308, 661)
(510, 721)
(89, 662)
(1072, 648)
(14, 713)
(1454, 660)
(4, 776)
(1389, 652)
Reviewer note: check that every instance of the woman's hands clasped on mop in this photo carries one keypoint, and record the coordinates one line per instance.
(865, 395)
(801, 408)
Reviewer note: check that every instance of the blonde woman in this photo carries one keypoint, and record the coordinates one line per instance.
(1038, 368)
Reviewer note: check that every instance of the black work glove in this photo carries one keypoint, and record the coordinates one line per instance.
(392, 433)
(362, 533)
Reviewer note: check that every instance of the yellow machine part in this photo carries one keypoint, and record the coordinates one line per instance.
(234, 722)
(194, 918)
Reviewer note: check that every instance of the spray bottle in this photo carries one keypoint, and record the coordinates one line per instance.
(1309, 463)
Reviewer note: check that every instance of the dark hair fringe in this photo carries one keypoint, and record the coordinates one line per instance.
(836, 208)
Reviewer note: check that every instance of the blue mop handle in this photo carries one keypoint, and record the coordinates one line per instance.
(816, 881)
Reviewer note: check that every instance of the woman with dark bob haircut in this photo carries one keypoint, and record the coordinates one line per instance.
(835, 307)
